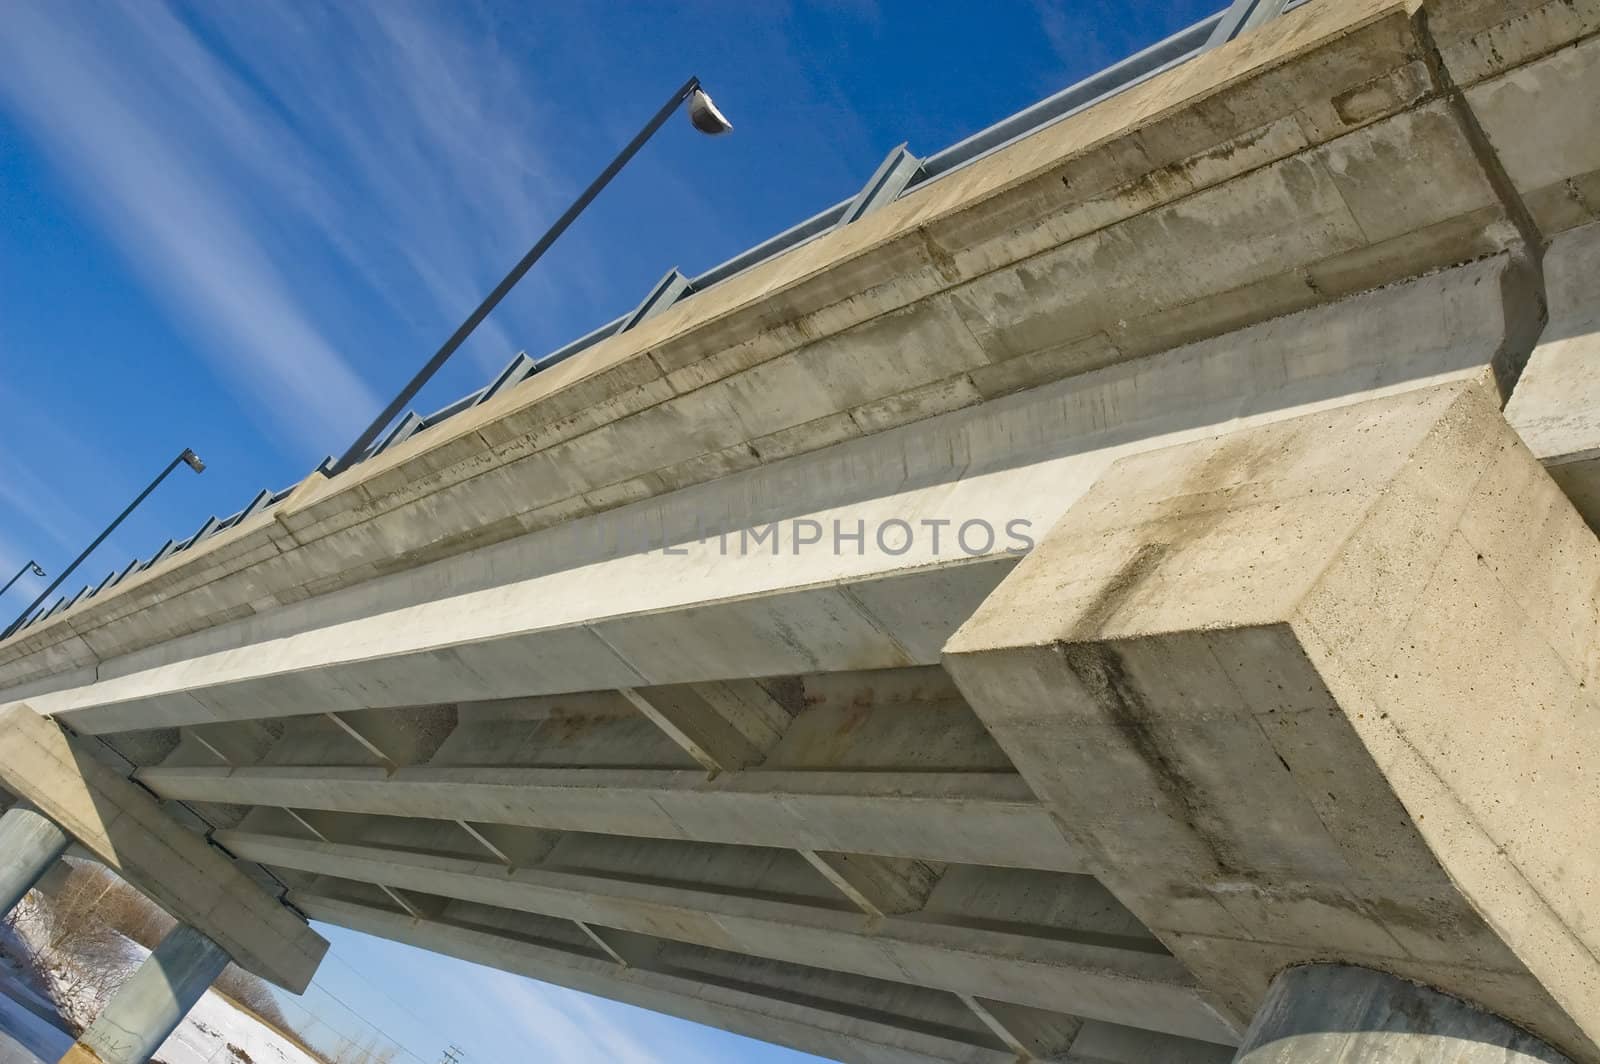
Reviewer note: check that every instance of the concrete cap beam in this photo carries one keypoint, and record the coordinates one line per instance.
(1323, 689)
(123, 826)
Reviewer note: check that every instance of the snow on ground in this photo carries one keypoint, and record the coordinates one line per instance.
(214, 1032)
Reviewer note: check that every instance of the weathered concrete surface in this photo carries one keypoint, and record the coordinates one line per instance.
(29, 846)
(154, 1000)
(1336, 1014)
(568, 610)
(124, 827)
(723, 726)
(1556, 407)
(1324, 154)
(1130, 981)
(1525, 111)
(864, 1025)
(449, 695)
(967, 817)
(1323, 688)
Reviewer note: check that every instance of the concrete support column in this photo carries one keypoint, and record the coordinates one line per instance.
(1338, 1014)
(1322, 689)
(151, 1004)
(30, 843)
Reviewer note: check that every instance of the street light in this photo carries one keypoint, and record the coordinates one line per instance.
(31, 565)
(187, 457)
(703, 115)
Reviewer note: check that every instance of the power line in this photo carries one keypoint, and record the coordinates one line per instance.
(359, 1017)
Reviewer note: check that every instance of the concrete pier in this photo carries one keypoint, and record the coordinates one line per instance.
(151, 1004)
(30, 843)
(1338, 1014)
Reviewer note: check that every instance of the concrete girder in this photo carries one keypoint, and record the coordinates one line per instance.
(405, 736)
(725, 726)
(1342, 117)
(972, 818)
(1030, 1034)
(124, 827)
(1556, 406)
(1127, 985)
(1218, 665)
(459, 630)
(878, 886)
(859, 1030)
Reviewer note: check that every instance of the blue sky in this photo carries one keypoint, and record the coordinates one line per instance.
(240, 227)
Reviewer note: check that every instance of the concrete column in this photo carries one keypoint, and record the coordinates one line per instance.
(151, 1004)
(1337, 1014)
(30, 844)
(1323, 690)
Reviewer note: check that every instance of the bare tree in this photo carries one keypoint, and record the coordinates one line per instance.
(253, 994)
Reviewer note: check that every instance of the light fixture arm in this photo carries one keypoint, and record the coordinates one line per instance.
(30, 564)
(186, 456)
(359, 448)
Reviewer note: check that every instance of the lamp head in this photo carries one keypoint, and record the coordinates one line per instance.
(36, 570)
(705, 117)
(192, 460)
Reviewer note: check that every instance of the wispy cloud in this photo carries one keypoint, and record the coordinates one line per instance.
(172, 212)
(1077, 32)
(261, 166)
(571, 1030)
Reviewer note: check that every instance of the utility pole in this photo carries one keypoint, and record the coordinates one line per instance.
(453, 1055)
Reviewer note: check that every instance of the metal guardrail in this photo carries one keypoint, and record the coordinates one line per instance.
(899, 174)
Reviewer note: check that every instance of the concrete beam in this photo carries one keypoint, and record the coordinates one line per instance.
(581, 616)
(1320, 157)
(1523, 112)
(970, 818)
(878, 886)
(1028, 1040)
(841, 1030)
(840, 1017)
(1322, 689)
(1556, 406)
(723, 726)
(1092, 978)
(242, 743)
(398, 737)
(123, 826)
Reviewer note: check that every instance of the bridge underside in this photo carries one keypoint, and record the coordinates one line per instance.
(990, 639)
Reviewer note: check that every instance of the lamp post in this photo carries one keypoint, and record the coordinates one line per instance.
(31, 565)
(703, 115)
(186, 456)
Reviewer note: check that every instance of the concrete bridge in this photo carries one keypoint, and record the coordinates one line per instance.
(1132, 599)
